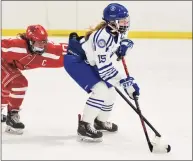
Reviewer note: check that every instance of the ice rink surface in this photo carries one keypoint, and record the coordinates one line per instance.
(163, 70)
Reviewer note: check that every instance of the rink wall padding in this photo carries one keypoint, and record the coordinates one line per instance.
(132, 34)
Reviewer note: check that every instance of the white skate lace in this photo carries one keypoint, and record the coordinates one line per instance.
(91, 129)
(107, 125)
(15, 117)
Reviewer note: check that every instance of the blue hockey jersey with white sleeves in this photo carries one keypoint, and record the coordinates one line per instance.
(99, 49)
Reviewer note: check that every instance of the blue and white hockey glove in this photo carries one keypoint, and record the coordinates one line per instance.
(130, 87)
(123, 48)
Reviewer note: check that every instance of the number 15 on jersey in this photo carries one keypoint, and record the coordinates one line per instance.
(102, 58)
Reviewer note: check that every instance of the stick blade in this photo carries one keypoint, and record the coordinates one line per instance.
(160, 148)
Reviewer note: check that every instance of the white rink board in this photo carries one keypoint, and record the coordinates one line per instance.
(80, 15)
(163, 71)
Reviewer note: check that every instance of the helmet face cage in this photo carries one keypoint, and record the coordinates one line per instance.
(124, 24)
(121, 25)
(38, 46)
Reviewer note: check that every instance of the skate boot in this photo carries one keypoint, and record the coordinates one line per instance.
(3, 118)
(88, 133)
(14, 126)
(108, 126)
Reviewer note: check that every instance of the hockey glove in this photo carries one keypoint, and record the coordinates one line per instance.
(130, 87)
(125, 46)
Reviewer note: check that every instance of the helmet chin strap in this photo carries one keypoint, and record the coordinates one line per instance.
(114, 30)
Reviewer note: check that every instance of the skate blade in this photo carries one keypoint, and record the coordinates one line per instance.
(88, 139)
(14, 131)
(107, 131)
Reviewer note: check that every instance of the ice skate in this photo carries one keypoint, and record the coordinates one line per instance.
(107, 126)
(88, 133)
(14, 126)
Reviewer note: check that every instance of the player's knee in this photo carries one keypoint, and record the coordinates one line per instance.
(21, 81)
(101, 91)
(111, 95)
(18, 85)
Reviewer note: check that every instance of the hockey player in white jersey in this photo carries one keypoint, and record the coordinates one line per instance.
(88, 62)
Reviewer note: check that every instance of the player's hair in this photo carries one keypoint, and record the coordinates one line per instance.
(103, 24)
(22, 36)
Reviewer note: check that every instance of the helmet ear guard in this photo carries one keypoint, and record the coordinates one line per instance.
(114, 26)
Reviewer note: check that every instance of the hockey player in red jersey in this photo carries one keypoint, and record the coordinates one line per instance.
(30, 50)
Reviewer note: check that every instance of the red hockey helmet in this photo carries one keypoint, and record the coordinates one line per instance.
(37, 36)
(36, 33)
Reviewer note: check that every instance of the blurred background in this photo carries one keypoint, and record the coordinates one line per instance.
(149, 19)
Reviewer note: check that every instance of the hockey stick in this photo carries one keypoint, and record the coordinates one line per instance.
(156, 147)
(127, 100)
(134, 108)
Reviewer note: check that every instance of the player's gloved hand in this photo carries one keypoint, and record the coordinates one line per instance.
(130, 87)
(125, 45)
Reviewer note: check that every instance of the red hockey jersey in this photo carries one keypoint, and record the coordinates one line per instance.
(15, 51)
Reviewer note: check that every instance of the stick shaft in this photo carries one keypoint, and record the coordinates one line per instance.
(134, 108)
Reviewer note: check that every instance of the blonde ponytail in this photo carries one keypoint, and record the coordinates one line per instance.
(98, 27)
